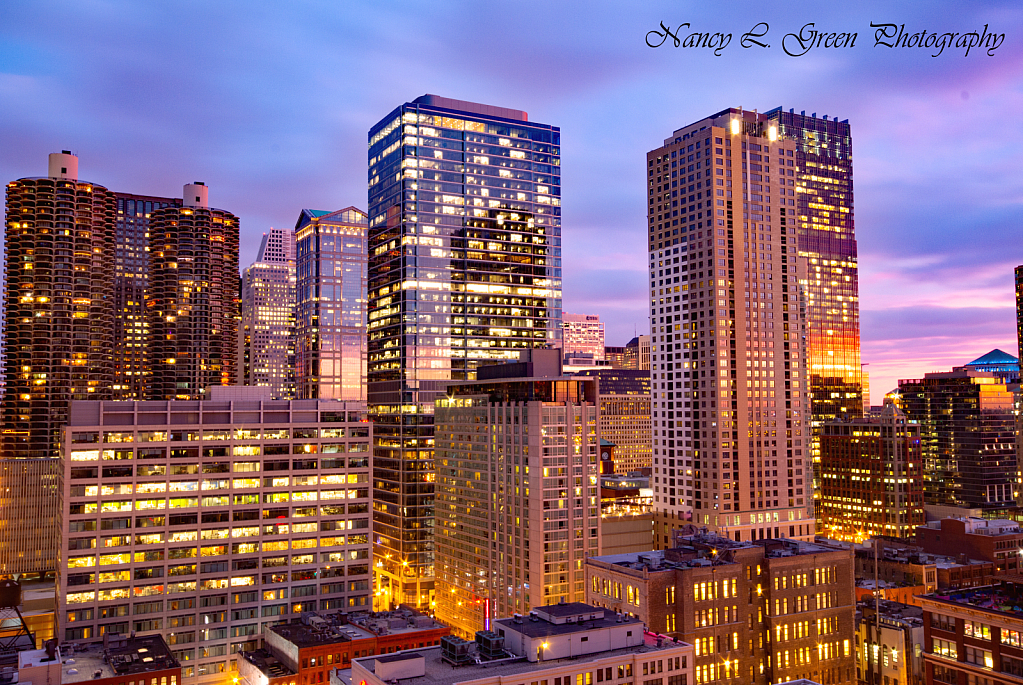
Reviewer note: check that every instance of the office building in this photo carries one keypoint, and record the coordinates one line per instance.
(515, 539)
(974, 636)
(205, 522)
(131, 286)
(625, 416)
(826, 238)
(872, 477)
(1003, 365)
(614, 356)
(967, 434)
(465, 270)
(728, 356)
(763, 612)
(1019, 310)
(582, 334)
(309, 649)
(889, 643)
(266, 354)
(58, 304)
(331, 318)
(559, 644)
(30, 526)
(637, 353)
(193, 298)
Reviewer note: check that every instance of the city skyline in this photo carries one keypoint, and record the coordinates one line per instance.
(932, 122)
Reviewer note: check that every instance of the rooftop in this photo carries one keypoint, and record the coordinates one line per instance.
(1005, 597)
(316, 629)
(267, 663)
(565, 619)
(439, 672)
(117, 655)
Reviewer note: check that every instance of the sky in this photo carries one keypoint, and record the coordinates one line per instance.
(270, 103)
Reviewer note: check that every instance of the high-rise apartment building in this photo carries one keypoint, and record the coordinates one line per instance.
(624, 397)
(517, 507)
(582, 334)
(728, 367)
(193, 298)
(465, 270)
(872, 477)
(58, 304)
(967, 433)
(131, 285)
(208, 522)
(331, 317)
(266, 354)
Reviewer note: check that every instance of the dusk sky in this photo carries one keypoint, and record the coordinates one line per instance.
(270, 103)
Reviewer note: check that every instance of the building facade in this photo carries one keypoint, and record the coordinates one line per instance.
(193, 304)
(58, 304)
(517, 508)
(967, 433)
(998, 541)
(889, 644)
(582, 334)
(625, 416)
(871, 477)
(764, 612)
(207, 521)
(728, 367)
(131, 290)
(974, 636)
(465, 269)
(266, 354)
(637, 353)
(331, 327)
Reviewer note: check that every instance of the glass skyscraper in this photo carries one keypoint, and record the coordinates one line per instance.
(465, 270)
(331, 318)
(825, 231)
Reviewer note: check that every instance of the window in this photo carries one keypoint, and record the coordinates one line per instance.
(980, 657)
(977, 630)
(944, 648)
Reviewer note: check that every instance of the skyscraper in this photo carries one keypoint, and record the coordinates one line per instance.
(496, 552)
(624, 396)
(1019, 310)
(331, 316)
(266, 354)
(967, 434)
(728, 366)
(825, 232)
(465, 269)
(131, 285)
(59, 327)
(193, 303)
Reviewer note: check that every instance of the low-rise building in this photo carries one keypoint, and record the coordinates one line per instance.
(116, 660)
(907, 565)
(308, 650)
(975, 636)
(999, 541)
(774, 610)
(889, 643)
(560, 643)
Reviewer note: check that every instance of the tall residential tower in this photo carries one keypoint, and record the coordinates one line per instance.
(58, 303)
(266, 354)
(728, 365)
(193, 298)
(465, 269)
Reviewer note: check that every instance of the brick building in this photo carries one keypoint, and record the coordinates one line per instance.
(774, 610)
(306, 651)
(999, 541)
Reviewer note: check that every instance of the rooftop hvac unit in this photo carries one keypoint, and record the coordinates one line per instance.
(489, 644)
(455, 650)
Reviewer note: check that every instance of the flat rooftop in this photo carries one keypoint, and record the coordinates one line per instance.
(122, 657)
(267, 663)
(1005, 597)
(439, 672)
(541, 628)
(326, 628)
